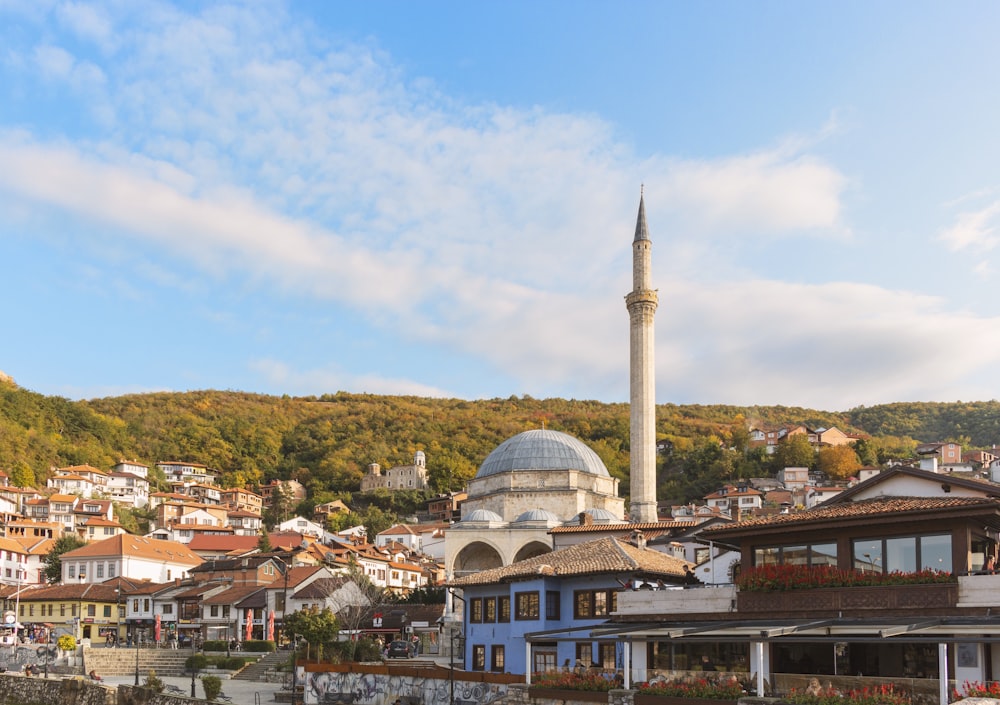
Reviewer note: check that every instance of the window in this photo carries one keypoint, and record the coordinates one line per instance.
(503, 608)
(100, 570)
(91, 610)
(71, 570)
(588, 604)
(526, 605)
(107, 610)
(62, 609)
(214, 611)
(551, 605)
(71, 614)
(112, 568)
(135, 605)
(585, 653)
(543, 657)
(496, 659)
(225, 611)
(903, 553)
(478, 657)
(815, 554)
(490, 609)
(476, 610)
(145, 605)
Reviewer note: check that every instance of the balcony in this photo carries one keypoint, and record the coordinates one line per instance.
(672, 600)
(849, 600)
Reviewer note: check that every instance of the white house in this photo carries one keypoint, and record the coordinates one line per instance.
(303, 526)
(133, 557)
(13, 563)
(128, 488)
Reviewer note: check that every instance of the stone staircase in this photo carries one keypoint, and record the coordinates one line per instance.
(122, 662)
(266, 668)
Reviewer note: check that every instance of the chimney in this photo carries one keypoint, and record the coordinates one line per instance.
(639, 539)
(586, 519)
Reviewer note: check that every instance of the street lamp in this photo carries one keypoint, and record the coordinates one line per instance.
(118, 614)
(136, 644)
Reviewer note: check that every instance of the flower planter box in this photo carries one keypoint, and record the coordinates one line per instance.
(567, 694)
(645, 699)
(851, 599)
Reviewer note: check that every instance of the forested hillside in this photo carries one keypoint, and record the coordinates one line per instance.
(326, 442)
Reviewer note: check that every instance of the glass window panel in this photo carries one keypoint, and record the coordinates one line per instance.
(824, 554)
(868, 555)
(901, 554)
(766, 556)
(935, 553)
(795, 555)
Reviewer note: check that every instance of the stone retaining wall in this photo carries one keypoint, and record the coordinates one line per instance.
(24, 690)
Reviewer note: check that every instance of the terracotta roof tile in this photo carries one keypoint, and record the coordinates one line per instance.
(874, 507)
(603, 556)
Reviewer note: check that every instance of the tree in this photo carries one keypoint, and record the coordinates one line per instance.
(838, 462)
(281, 505)
(369, 600)
(319, 629)
(53, 560)
(264, 542)
(795, 452)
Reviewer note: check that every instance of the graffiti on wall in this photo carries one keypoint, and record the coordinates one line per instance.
(372, 689)
(15, 658)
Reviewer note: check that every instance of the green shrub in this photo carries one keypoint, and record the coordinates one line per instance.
(257, 645)
(234, 663)
(153, 683)
(212, 686)
(215, 645)
(196, 662)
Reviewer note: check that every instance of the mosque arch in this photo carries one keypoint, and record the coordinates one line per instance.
(474, 557)
(532, 549)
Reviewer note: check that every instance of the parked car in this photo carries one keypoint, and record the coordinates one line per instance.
(399, 649)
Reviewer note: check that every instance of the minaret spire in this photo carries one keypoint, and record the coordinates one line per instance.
(641, 304)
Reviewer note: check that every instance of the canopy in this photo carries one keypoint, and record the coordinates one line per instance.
(156, 628)
(270, 625)
(249, 629)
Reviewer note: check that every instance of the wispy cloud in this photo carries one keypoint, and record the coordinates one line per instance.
(975, 230)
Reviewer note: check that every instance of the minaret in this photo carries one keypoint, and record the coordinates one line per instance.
(641, 304)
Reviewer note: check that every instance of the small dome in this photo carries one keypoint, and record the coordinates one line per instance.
(483, 515)
(602, 516)
(537, 515)
(542, 450)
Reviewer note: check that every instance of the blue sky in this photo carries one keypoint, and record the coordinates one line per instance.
(438, 198)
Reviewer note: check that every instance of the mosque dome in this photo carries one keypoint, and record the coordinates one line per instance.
(600, 516)
(483, 515)
(537, 515)
(542, 449)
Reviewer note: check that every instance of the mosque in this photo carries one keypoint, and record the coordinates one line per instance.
(542, 479)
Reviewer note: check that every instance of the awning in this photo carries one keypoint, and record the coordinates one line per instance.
(939, 630)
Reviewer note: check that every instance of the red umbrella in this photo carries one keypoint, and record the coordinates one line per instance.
(270, 625)
(156, 628)
(249, 633)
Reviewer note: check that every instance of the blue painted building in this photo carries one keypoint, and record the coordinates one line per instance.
(575, 587)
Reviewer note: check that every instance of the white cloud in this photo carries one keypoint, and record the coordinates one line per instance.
(828, 346)
(87, 21)
(320, 381)
(975, 230)
(768, 191)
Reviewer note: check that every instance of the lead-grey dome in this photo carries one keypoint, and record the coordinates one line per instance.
(542, 450)
(483, 515)
(537, 515)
